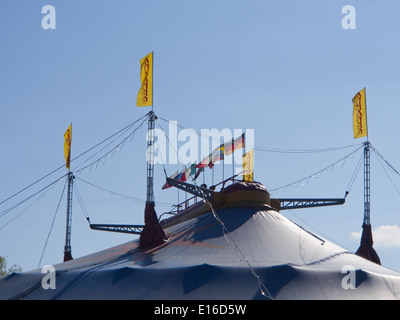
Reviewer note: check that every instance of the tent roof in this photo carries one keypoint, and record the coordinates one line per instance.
(236, 253)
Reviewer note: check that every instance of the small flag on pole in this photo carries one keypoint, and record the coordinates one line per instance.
(360, 115)
(167, 185)
(145, 95)
(67, 146)
(190, 171)
(181, 176)
(216, 155)
(248, 165)
(204, 163)
(198, 173)
(186, 173)
(231, 146)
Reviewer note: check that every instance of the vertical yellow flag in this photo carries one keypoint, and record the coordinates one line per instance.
(145, 95)
(248, 165)
(360, 115)
(67, 145)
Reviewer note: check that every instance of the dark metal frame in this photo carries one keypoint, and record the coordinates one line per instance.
(122, 228)
(287, 204)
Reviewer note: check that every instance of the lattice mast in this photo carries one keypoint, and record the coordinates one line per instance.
(150, 157)
(67, 247)
(367, 184)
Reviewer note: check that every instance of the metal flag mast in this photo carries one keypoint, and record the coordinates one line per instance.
(150, 157)
(67, 247)
(367, 184)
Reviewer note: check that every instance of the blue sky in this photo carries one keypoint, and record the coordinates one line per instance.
(286, 69)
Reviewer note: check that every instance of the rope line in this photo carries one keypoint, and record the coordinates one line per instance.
(19, 214)
(263, 289)
(384, 159)
(82, 205)
(166, 136)
(355, 173)
(387, 175)
(74, 159)
(330, 167)
(274, 150)
(52, 224)
(116, 148)
(120, 194)
(4, 212)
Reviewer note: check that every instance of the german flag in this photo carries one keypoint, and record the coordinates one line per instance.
(231, 146)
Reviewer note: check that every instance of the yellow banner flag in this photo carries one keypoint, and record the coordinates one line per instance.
(67, 145)
(145, 95)
(248, 165)
(360, 115)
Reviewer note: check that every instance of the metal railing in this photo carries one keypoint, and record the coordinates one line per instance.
(189, 203)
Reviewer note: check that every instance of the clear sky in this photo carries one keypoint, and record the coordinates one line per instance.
(286, 69)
